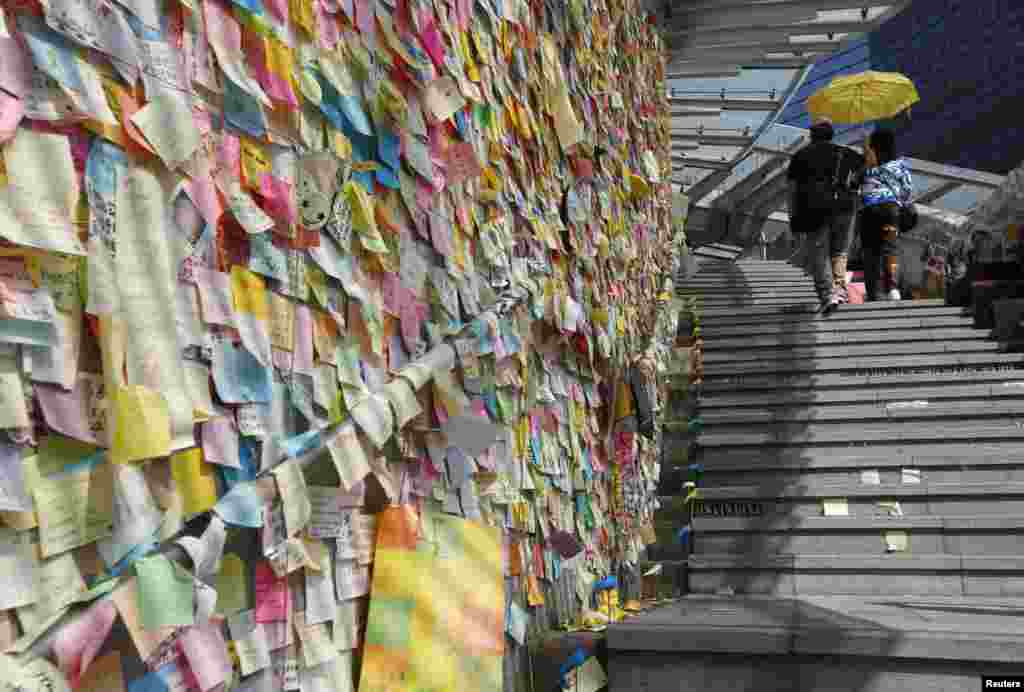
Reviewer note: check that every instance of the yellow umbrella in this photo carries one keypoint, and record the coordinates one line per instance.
(862, 97)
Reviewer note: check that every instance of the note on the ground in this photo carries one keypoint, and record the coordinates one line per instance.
(591, 676)
(896, 541)
(836, 507)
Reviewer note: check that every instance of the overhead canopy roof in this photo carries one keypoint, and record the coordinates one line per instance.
(733, 66)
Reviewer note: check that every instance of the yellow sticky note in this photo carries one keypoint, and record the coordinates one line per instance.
(255, 162)
(232, 586)
(142, 424)
(249, 293)
(895, 541)
(837, 507)
(195, 481)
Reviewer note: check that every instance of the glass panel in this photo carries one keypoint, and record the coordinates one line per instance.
(963, 199)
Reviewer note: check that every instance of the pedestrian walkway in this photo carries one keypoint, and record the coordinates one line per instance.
(862, 497)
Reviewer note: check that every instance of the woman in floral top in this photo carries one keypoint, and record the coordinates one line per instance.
(886, 187)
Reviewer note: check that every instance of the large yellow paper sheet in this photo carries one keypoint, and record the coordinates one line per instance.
(437, 606)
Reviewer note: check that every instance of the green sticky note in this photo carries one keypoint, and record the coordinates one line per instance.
(166, 595)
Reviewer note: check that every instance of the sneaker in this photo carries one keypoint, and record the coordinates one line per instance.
(894, 294)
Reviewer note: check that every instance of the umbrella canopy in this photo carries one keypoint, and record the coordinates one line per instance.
(861, 97)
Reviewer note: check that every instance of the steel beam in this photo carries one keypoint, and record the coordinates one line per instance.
(710, 182)
(739, 52)
(698, 71)
(748, 34)
(681, 69)
(726, 103)
(696, 111)
(712, 140)
(963, 176)
(706, 164)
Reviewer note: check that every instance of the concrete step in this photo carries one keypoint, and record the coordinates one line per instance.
(920, 409)
(780, 353)
(711, 330)
(886, 455)
(998, 538)
(813, 489)
(739, 371)
(872, 394)
(879, 378)
(782, 434)
(724, 291)
(868, 574)
(809, 339)
(700, 282)
(808, 311)
(966, 474)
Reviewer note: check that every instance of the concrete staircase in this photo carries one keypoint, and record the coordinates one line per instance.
(862, 496)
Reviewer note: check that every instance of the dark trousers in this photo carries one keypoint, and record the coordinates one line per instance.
(876, 245)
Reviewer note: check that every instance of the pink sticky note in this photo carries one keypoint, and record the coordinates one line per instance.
(12, 110)
(203, 193)
(271, 594)
(412, 314)
(230, 156)
(74, 414)
(432, 42)
(220, 442)
(393, 293)
(215, 296)
(278, 8)
(365, 14)
(16, 75)
(204, 649)
(277, 193)
(328, 32)
(79, 641)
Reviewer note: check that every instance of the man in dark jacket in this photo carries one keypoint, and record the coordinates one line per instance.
(822, 206)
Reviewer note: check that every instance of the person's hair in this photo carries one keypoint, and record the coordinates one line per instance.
(883, 142)
(822, 132)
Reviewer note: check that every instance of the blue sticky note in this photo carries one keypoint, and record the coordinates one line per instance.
(239, 377)
(254, 7)
(388, 148)
(242, 111)
(302, 443)
(241, 506)
(102, 165)
(53, 54)
(248, 454)
(137, 553)
(157, 681)
(352, 109)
